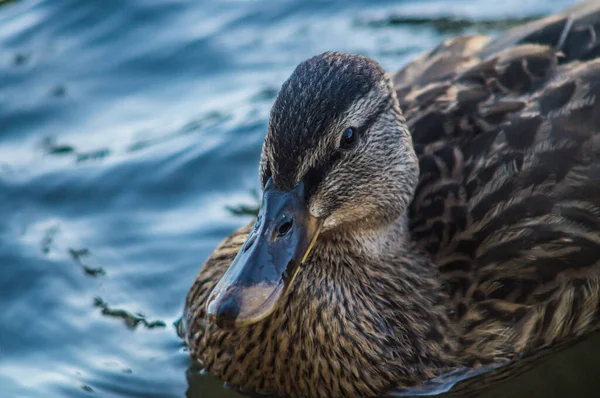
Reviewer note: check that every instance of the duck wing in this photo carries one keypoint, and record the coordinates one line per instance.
(508, 203)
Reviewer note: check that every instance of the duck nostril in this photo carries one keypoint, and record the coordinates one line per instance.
(285, 226)
(249, 243)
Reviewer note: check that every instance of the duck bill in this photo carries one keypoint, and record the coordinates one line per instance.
(266, 266)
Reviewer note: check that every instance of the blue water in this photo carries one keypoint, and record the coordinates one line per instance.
(127, 129)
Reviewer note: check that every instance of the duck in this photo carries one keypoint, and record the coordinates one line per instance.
(418, 230)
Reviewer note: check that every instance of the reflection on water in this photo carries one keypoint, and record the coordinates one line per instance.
(130, 133)
(570, 373)
(451, 24)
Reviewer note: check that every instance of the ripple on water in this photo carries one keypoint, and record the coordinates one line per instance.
(130, 133)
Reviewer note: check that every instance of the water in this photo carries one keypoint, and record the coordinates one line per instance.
(127, 128)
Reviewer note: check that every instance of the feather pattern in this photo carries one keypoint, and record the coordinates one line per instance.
(504, 255)
(508, 201)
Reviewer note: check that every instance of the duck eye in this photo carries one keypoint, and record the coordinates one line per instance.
(348, 138)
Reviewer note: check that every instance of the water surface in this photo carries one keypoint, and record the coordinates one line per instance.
(127, 128)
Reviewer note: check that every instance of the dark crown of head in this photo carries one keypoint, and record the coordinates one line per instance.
(318, 91)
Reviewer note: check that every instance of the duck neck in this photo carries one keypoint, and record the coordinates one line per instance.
(387, 295)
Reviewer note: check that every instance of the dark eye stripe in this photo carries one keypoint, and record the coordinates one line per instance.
(383, 107)
(315, 175)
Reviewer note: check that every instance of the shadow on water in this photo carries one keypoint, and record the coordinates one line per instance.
(6, 2)
(130, 133)
(449, 24)
(132, 321)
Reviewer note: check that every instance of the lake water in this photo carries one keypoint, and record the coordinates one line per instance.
(127, 131)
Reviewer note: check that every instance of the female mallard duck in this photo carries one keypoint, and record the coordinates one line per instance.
(391, 249)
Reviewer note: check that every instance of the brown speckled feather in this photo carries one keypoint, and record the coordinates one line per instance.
(507, 134)
(509, 195)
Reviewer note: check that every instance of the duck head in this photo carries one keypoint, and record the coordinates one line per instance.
(337, 158)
